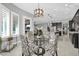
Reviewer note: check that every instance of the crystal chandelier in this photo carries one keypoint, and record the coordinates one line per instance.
(38, 12)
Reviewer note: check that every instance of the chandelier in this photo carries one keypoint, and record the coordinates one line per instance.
(38, 12)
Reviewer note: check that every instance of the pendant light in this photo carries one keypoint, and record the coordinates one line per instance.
(39, 11)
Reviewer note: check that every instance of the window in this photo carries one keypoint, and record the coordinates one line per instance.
(4, 23)
(15, 23)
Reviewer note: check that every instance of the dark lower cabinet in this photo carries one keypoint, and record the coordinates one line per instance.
(75, 40)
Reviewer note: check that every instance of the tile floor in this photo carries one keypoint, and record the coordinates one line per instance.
(65, 48)
(15, 52)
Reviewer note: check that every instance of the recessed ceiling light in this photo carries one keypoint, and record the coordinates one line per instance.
(66, 5)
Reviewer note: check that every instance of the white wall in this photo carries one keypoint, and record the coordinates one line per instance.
(17, 10)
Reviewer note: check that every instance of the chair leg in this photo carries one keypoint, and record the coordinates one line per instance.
(56, 53)
(22, 54)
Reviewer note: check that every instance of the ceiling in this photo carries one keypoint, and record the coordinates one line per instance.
(52, 11)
